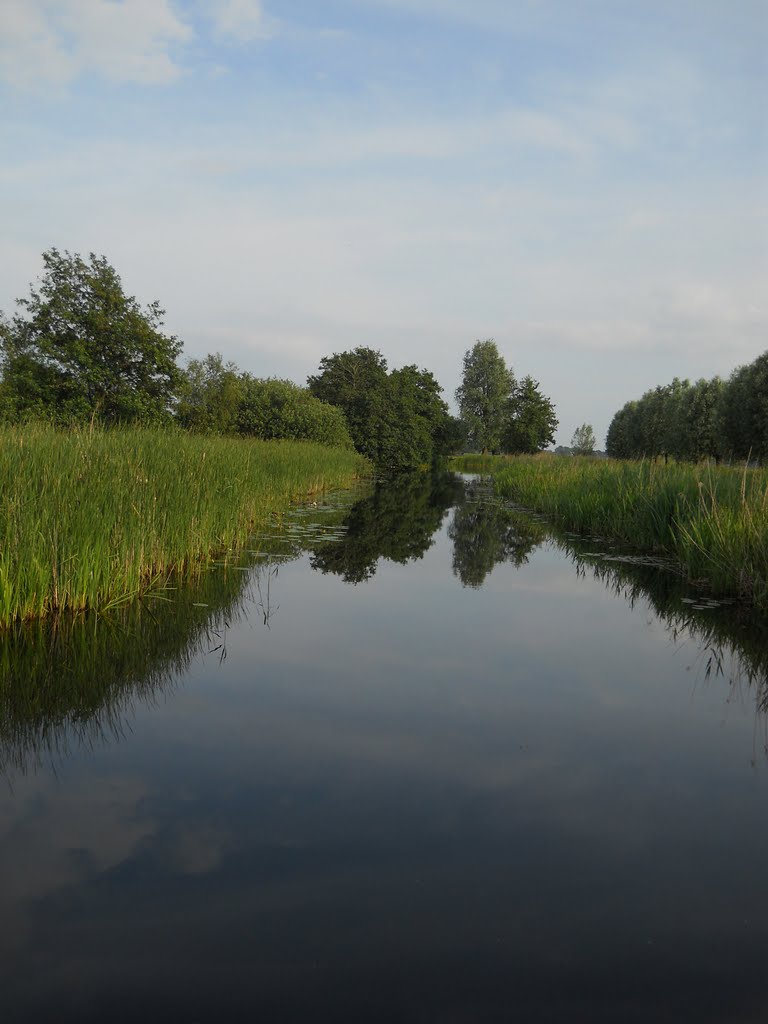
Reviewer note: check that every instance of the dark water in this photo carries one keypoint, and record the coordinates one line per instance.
(425, 761)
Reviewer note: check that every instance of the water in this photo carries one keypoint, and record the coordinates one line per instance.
(423, 761)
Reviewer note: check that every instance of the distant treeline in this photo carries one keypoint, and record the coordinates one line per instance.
(710, 419)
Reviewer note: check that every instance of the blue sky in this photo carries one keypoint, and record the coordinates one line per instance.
(586, 181)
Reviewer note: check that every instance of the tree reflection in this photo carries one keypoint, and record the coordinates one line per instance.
(485, 532)
(397, 522)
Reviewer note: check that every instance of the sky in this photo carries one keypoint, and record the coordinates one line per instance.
(584, 181)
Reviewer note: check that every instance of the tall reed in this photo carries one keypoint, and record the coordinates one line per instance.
(91, 517)
(712, 520)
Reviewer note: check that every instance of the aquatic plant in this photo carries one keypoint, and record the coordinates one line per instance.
(712, 519)
(90, 518)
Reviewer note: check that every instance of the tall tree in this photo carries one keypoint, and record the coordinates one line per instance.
(84, 349)
(484, 395)
(397, 419)
(700, 421)
(531, 422)
(745, 411)
(356, 381)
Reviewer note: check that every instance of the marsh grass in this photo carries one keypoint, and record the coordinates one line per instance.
(712, 520)
(92, 518)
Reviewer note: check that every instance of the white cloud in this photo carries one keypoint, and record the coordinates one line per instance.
(52, 42)
(241, 20)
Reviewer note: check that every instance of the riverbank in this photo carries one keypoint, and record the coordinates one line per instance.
(89, 518)
(713, 520)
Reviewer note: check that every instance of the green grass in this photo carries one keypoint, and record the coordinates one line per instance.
(90, 518)
(712, 520)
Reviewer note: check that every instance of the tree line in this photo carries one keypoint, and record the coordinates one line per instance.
(80, 350)
(708, 419)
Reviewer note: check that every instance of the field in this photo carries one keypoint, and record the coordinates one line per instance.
(712, 520)
(89, 518)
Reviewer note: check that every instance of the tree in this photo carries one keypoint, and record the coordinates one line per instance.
(532, 422)
(700, 421)
(745, 411)
(85, 350)
(397, 419)
(583, 440)
(484, 395)
(356, 382)
(210, 392)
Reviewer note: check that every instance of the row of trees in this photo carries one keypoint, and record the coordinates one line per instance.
(709, 419)
(499, 413)
(81, 350)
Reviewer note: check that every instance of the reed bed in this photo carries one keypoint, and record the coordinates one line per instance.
(712, 520)
(91, 518)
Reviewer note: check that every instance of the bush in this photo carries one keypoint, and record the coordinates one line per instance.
(279, 409)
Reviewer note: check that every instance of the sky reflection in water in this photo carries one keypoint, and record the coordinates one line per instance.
(455, 779)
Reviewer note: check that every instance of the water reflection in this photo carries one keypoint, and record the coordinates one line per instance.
(75, 682)
(396, 522)
(486, 531)
(732, 640)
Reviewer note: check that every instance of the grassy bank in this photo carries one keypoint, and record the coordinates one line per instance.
(712, 520)
(89, 518)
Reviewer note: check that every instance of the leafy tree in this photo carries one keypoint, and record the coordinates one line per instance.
(583, 440)
(281, 410)
(484, 395)
(84, 349)
(397, 419)
(356, 382)
(700, 428)
(210, 392)
(451, 439)
(744, 410)
(531, 422)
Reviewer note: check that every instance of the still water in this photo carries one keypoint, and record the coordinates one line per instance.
(416, 757)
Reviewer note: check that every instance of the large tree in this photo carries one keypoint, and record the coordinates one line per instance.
(356, 381)
(532, 421)
(484, 395)
(397, 419)
(83, 349)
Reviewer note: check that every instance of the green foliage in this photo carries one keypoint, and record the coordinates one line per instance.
(712, 520)
(710, 419)
(209, 395)
(83, 350)
(91, 517)
(745, 411)
(274, 409)
(700, 421)
(583, 440)
(531, 422)
(484, 395)
(397, 420)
